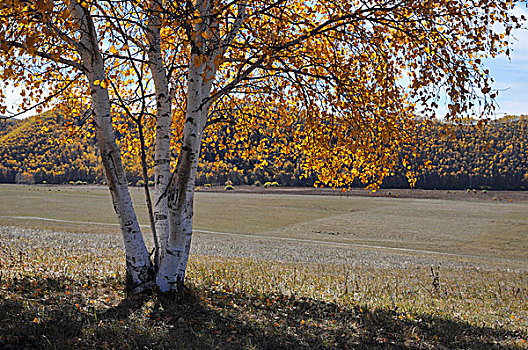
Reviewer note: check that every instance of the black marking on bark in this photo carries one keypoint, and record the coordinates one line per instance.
(161, 161)
(129, 222)
(113, 167)
(160, 216)
(189, 120)
(144, 277)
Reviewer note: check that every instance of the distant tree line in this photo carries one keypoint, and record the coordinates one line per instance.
(493, 156)
(469, 155)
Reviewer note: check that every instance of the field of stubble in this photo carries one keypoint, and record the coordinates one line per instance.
(270, 271)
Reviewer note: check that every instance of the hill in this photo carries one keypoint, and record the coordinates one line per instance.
(31, 153)
(489, 156)
(6, 125)
(493, 156)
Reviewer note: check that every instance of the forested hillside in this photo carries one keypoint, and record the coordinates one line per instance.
(31, 152)
(467, 156)
(491, 157)
(6, 125)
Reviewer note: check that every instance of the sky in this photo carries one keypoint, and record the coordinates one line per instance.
(510, 75)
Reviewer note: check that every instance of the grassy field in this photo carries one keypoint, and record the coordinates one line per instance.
(269, 271)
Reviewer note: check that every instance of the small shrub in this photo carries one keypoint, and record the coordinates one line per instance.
(78, 182)
(140, 183)
(229, 183)
(257, 183)
(71, 183)
(44, 182)
(229, 188)
(207, 185)
(267, 184)
(150, 183)
(484, 191)
(274, 184)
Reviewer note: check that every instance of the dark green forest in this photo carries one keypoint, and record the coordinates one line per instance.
(492, 156)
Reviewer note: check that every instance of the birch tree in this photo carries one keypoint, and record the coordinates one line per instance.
(339, 84)
(57, 46)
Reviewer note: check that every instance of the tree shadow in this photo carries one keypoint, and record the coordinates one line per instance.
(206, 319)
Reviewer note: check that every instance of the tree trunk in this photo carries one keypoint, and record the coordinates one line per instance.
(138, 266)
(202, 70)
(162, 154)
(171, 274)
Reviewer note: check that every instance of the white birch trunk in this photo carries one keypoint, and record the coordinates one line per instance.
(138, 265)
(171, 273)
(162, 154)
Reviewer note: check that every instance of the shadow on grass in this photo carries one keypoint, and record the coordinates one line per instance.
(43, 315)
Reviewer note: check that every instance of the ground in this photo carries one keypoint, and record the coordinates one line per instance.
(272, 269)
(466, 195)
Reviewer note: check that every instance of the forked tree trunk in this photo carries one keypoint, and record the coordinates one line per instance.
(138, 266)
(171, 273)
(202, 70)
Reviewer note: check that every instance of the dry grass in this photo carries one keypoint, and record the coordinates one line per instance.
(495, 230)
(62, 289)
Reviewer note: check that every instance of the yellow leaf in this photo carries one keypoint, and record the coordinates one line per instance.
(197, 61)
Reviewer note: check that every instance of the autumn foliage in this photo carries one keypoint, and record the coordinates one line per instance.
(459, 157)
(42, 150)
(323, 81)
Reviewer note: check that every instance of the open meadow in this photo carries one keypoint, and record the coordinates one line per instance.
(269, 271)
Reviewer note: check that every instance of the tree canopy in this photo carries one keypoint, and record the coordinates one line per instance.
(343, 80)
